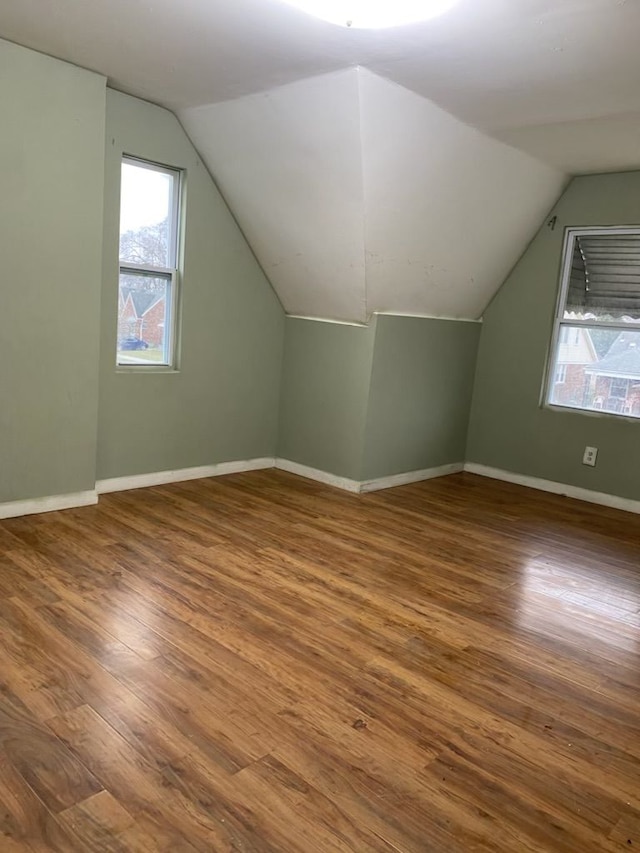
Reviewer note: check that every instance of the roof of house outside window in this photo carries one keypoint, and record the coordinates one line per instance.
(622, 360)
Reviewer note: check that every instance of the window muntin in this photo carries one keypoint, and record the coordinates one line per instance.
(595, 354)
(149, 247)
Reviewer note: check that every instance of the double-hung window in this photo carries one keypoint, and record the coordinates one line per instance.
(595, 353)
(149, 251)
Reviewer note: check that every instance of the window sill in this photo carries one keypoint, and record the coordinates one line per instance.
(144, 368)
(598, 413)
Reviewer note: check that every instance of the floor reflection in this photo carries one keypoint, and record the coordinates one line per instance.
(595, 602)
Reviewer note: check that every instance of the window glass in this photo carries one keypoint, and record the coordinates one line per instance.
(149, 222)
(595, 363)
(144, 320)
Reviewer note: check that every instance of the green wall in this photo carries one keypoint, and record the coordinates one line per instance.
(51, 180)
(509, 429)
(420, 394)
(369, 402)
(222, 403)
(325, 390)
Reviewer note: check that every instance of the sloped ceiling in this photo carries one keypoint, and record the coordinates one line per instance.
(289, 164)
(388, 188)
(448, 211)
(358, 196)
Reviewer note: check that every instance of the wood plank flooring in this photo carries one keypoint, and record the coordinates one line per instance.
(261, 663)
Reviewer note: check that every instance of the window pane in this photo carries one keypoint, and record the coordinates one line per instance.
(144, 323)
(604, 281)
(598, 369)
(147, 212)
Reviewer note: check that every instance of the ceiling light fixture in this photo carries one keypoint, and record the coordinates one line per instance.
(373, 14)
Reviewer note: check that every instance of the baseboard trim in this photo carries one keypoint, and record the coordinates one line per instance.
(160, 478)
(365, 486)
(601, 498)
(410, 477)
(319, 476)
(52, 503)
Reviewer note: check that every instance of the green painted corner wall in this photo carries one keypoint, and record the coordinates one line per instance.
(420, 394)
(509, 429)
(325, 389)
(222, 403)
(51, 175)
(370, 402)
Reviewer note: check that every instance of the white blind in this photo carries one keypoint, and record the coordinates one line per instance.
(605, 275)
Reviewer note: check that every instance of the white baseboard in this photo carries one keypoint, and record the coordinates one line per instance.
(142, 481)
(410, 477)
(601, 498)
(52, 503)
(318, 475)
(361, 487)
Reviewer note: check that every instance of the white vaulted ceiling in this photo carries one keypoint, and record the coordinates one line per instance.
(448, 211)
(289, 164)
(360, 196)
(369, 170)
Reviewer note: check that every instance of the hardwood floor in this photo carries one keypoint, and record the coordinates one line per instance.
(261, 663)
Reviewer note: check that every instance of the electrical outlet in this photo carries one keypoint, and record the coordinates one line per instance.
(590, 456)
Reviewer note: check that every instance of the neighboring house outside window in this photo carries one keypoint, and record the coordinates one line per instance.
(149, 251)
(561, 374)
(595, 361)
(615, 379)
(573, 357)
(142, 316)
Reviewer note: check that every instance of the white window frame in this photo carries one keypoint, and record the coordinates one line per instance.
(559, 323)
(171, 273)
